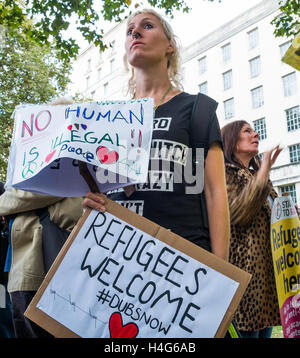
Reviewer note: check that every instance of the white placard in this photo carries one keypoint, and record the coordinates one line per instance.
(112, 137)
(117, 281)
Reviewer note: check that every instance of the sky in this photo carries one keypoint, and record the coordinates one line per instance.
(204, 17)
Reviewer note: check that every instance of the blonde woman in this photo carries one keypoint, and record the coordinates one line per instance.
(153, 55)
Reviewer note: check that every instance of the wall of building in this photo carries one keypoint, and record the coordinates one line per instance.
(102, 75)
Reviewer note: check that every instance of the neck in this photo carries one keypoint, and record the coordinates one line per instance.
(149, 85)
(153, 84)
(244, 159)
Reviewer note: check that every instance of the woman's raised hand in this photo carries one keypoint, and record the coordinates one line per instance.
(269, 159)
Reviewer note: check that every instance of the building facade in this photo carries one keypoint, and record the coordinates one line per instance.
(102, 75)
(239, 65)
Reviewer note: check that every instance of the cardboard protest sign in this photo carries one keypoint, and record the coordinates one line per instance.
(121, 275)
(292, 55)
(49, 142)
(285, 242)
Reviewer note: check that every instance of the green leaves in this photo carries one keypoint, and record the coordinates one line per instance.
(288, 22)
(170, 5)
(47, 21)
(28, 74)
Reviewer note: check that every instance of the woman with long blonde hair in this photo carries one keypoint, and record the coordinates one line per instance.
(152, 52)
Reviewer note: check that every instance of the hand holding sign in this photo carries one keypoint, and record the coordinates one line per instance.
(95, 201)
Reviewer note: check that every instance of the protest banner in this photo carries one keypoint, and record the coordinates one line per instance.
(120, 275)
(113, 138)
(292, 55)
(285, 243)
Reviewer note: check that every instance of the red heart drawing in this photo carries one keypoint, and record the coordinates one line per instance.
(117, 330)
(105, 156)
(49, 156)
(70, 127)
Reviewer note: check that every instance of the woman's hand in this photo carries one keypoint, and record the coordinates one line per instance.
(94, 201)
(269, 159)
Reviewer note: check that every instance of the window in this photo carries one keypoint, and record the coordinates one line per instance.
(260, 128)
(261, 156)
(183, 72)
(202, 65)
(227, 80)
(294, 153)
(105, 88)
(87, 82)
(254, 67)
(100, 57)
(291, 189)
(112, 45)
(226, 52)
(289, 84)
(253, 38)
(257, 97)
(89, 61)
(293, 118)
(99, 73)
(283, 48)
(112, 65)
(229, 108)
(203, 88)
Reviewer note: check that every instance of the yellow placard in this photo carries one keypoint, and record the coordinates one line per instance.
(285, 241)
(292, 55)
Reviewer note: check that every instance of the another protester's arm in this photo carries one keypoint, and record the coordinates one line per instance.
(14, 201)
(216, 201)
(246, 200)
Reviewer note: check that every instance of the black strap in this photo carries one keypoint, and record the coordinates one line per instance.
(203, 109)
(42, 213)
(53, 237)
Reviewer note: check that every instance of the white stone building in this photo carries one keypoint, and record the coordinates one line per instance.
(239, 65)
(102, 75)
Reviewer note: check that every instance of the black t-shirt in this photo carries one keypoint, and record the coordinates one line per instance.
(163, 198)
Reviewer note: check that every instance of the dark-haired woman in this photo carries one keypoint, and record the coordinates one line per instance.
(250, 196)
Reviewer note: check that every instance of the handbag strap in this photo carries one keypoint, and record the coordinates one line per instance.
(203, 109)
(42, 213)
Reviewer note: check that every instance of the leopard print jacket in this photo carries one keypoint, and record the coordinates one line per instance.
(250, 249)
